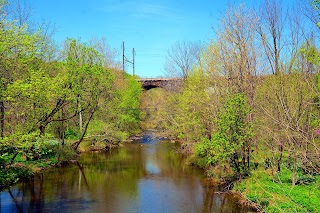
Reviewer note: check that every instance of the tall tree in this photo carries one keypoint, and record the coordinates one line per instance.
(18, 52)
(88, 81)
(271, 30)
(238, 52)
(109, 54)
(182, 57)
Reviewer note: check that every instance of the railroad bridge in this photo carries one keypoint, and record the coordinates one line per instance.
(169, 84)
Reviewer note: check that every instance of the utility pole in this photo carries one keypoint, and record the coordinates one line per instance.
(133, 59)
(124, 59)
(123, 56)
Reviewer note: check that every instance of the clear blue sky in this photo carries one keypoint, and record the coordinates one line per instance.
(151, 27)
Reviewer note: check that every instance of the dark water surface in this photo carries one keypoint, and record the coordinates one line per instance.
(144, 176)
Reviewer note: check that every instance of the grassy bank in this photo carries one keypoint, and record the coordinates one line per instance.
(265, 189)
(275, 193)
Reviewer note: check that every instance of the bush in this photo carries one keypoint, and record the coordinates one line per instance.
(71, 134)
(65, 153)
(305, 179)
(12, 175)
(205, 152)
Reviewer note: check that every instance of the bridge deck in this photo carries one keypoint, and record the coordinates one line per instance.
(165, 83)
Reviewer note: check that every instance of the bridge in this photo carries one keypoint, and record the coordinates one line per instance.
(169, 84)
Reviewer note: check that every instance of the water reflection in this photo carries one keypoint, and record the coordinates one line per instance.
(145, 176)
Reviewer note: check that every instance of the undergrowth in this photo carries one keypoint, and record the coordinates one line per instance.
(275, 192)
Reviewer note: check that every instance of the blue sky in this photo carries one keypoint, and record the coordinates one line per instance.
(151, 27)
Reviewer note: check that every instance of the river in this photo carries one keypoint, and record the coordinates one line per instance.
(143, 176)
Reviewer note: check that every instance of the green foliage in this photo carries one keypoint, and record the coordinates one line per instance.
(4, 159)
(206, 153)
(275, 193)
(310, 53)
(154, 104)
(316, 5)
(12, 175)
(228, 141)
(71, 134)
(124, 105)
(42, 100)
(233, 124)
(31, 146)
(129, 101)
(190, 111)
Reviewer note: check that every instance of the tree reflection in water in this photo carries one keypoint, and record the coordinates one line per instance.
(144, 176)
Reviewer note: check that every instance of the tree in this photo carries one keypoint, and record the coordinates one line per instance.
(108, 54)
(88, 81)
(316, 5)
(19, 49)
(230, 142)
(18, 11)
(190, 111)
(182, 57)
(288, 102)
(238, 52)
(271, 30)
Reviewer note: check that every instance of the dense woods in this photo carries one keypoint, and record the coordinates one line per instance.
(52, 99)
(250, 104)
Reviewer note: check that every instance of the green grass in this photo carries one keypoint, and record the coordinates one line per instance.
(275, 193)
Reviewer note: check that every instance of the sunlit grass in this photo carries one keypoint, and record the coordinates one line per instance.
(275, 193)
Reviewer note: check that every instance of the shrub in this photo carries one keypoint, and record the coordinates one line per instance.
(71, 134)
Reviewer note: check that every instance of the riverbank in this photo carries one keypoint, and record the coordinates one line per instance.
(26, 170)
(26, 164)
(10, 175)
(263, 192)
(23, 168)
(275, 193)
(266, 191)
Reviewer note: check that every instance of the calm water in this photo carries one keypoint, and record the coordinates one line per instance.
(145, 176)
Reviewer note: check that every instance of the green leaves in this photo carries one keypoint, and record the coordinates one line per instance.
(191, 108)
(125, 104)
(230, 138)
(232, 122)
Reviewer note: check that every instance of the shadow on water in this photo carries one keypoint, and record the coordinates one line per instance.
(144, 176)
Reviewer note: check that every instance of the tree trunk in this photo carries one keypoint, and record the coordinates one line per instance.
(45, 120)
(80, 115)
(280, 157)
(276, 54)
(244, 157)
(42, 128)
(76, 144)
(294, 171)
(62, 130)
(1, 119)
(248, 158)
